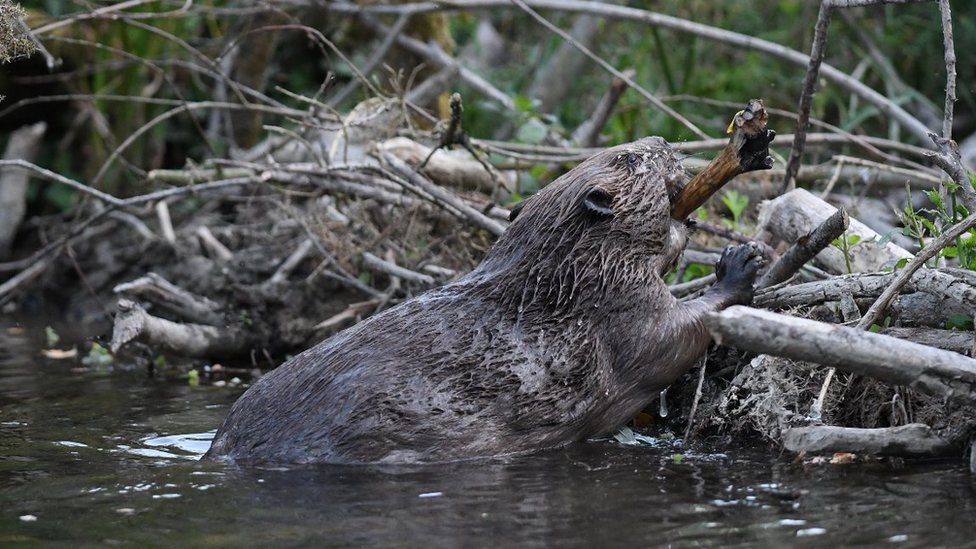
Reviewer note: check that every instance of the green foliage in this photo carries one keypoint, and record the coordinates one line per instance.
(736, 202)
(926, 223)
(844, 243)
(959, 322)
(52, 337)
(98, 357)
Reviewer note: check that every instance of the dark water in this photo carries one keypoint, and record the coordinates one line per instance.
(97, 458)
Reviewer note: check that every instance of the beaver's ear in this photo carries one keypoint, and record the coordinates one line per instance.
(598, 202)
(515, 211)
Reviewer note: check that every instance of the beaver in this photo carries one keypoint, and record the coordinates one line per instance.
(563, 332)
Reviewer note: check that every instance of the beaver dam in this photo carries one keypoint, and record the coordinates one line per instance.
(525, 284)
(239, 263)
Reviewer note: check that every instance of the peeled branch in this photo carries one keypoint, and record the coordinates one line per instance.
(746, 151)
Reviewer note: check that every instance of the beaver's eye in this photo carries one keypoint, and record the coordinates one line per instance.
(632, 159)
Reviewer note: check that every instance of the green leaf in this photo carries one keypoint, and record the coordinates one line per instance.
(935, 198)
(523, 103)
(539, 171)
(853, 239)
(901, 263)
(677, 458)
(98, 357)
(193, 378)
(736, 202)
(959, 322)
(52, 337)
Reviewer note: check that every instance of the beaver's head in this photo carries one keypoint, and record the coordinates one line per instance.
(604, 222)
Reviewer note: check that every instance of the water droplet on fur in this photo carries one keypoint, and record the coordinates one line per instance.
(579, 322)
(520, 309)
(663, 408)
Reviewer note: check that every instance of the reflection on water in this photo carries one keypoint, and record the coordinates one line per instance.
(99, 458)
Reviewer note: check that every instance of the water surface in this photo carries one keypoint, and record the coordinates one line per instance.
(92, 457)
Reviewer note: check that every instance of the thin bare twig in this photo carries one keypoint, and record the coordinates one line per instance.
(374, 60)
(660, 105)
(806, 95)
(852, 85)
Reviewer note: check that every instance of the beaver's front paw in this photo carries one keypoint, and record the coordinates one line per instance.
(736, 271)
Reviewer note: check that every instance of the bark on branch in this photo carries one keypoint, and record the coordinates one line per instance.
(929, 370)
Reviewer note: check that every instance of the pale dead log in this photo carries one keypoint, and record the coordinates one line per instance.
(455, 169)
(214, 246)
(798, 212)
(22, 145)
(822, 291)
(133, 323)
(182, 303)
(951, 287)
(912, 440)
(921, 309)
(889, 359)
(948, 340)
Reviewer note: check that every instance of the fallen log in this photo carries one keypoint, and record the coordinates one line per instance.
(181, 303)
(798, 212)
(912, 440)
(23, 144)
(133, 323)
(932, 371)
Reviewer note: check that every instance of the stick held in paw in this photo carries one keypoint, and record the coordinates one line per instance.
(746, 151)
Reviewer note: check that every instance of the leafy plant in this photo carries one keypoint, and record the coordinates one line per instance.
(52, 337)
(844, 243)
(736, 202)
(98, 357)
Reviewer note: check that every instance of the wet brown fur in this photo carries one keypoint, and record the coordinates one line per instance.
(563, 332)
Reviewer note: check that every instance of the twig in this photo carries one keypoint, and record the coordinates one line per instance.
(374, 60)
(698, 395)
(165, 223)
(805, 248)
(950, 62)
(216, 247)
(442, 196)
(746, 151)
(806, 96)
(660, 105)
(905, 274)
(292, 261)
(433, 53)
(453, 134)
(852, 85)
(587, 133)
(395, 270)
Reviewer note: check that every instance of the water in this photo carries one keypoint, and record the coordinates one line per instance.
(93, 458)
